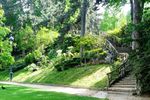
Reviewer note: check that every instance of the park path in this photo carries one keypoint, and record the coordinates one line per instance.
(63, 89)
(80, 91)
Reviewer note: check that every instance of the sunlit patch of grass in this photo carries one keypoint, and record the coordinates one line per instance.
(92, 79)
(89, 76)
(24, 75)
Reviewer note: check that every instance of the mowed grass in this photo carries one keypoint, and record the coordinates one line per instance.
(94, 76)
(22, 93)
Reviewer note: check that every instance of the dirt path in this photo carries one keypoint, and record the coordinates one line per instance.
(80, 91)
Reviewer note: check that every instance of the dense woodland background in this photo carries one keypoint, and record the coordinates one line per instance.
(65, 34)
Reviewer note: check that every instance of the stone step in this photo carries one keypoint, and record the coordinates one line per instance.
(129, 79)
(124, 86)
(118, 89)
(120, 93)
(126, 83)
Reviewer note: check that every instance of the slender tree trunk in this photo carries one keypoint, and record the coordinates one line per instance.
(137, 11)
(83, 23)
(131, 2)
(83, 17)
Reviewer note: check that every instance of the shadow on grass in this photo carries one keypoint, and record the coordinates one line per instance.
(66, 77)
(88, 76)
(100, 84)
(4, 75)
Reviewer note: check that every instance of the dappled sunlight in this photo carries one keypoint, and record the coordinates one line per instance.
(23, 76)
(88, 76)
(92, 79)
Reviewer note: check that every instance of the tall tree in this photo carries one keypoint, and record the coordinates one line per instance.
(83, 17)
(136, 11)
(83, 22)
(6, 58)
(137, 7)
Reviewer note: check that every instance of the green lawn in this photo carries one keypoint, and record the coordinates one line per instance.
(89, 76)
(22, 93)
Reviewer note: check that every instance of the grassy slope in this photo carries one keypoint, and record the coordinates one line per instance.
(89, 76)
(23, 93)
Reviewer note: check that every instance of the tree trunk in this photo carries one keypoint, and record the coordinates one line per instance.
(137, 11)
(83, 18)
(83, 25)
(131, 2)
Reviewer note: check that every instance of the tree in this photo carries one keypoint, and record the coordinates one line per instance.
(6, 58)
(83, 23)
(25, 39)
(83, 17)
(137, 7)
(45, 37)
(137, 12)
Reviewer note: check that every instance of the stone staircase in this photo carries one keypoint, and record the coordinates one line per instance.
(126, 85)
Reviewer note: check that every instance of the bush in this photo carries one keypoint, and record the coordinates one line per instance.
(43, 62)
(52, 54)
(66, 64)
(33, 57)
(141, 70)
(32, 67)
(95, 55)
(140, 60)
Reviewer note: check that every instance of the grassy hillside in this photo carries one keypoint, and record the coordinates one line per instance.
(89, 76)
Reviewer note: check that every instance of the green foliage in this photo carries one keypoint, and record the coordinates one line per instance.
(29, 58)
(146, 15)
(44, 62)
(90, 42)
(1, 15)
(70, 41)
(45, 37)
(6, 59)
(5, 46)
(25, 38)
(66, 60)
(140, 60)
(141, 70)
(114, 18)
(68, 47)
(33, 57)
(121, 36)
(67, 64)
(95, 54)
(109, 22)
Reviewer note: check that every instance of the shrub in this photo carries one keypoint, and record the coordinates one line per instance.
(45, 37)
(52, 54)
(25, 38)
(33, 57)
(32, 67)
(29, 58)
(140, 60)
(95, 55)
(43, 62)
(66, 64)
